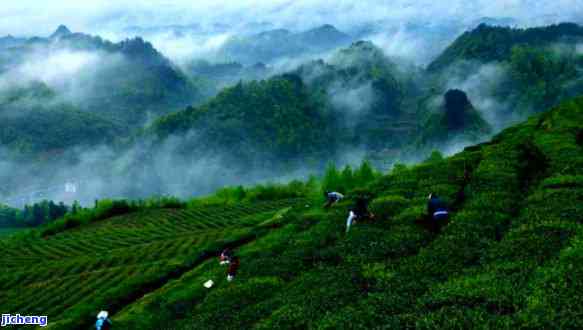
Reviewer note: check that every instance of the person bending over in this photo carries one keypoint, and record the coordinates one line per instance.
(332, 197)
(437, 212)
(359, 212)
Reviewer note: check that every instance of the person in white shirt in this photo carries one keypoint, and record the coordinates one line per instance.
(332, 197)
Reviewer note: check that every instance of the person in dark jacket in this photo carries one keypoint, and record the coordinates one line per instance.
(359, 212)
(437, 213)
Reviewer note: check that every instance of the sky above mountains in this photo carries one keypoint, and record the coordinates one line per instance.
(32, 17)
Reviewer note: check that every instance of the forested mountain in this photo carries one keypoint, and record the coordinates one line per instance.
(495, 43)
(524, 70)
(268, 121)
(73, 90)
(369, 92)
(313, 114)
(371, 103)
(359, 99)
(125, 81)
(273, 45)
(511, 73)
(33, 121)
(213, 77)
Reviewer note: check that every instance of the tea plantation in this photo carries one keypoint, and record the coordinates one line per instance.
(511, 256)
(110, 263)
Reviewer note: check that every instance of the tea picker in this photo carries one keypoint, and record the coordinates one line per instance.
(437, 212)
(103, 322)
(358, 212)
(332, 197)
(229, 258)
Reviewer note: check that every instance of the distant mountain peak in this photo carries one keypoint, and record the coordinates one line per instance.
(275, 33)
(328, 27)
(61, 31)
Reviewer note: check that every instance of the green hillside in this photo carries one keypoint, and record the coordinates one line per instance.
(456, 118)
(272, 45)
(374, 97)
(525, 71)
(255, 121)
(495, 43)
(307, 116)
(131, 80)
(511, 256)
(69, 274)
(34, 121)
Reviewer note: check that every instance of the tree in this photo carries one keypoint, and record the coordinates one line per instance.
(540, 75)
(76, 207)
(435, 156)
(240, 193)
(347, 178)
(38, 215)
(365, 174)
(332, 180)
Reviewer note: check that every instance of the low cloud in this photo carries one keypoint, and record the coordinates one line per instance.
(352, 102)
(412, 26)
(70, 73)
(409, 45)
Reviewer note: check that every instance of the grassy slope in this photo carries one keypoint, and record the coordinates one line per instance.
(110, 263)
(511, 256)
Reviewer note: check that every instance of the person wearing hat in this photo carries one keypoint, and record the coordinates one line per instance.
(103, 321)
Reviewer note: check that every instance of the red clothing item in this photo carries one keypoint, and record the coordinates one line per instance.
(226, 255)
(233, 266)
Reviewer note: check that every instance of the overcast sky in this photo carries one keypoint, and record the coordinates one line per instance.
(40, 17)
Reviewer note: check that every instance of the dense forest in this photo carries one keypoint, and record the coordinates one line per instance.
(34, 215)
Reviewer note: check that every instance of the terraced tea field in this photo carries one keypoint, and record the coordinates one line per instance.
(8, 231)
(107, 264)
(511, 256)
